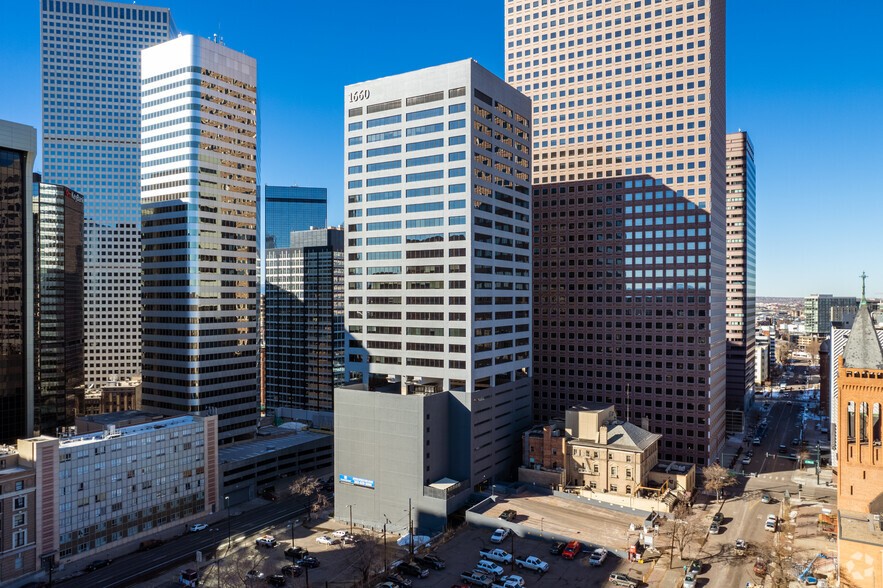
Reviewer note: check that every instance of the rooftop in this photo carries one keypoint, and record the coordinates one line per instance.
(113, 432)
(860, 526)
(278, 439)
(863, 349)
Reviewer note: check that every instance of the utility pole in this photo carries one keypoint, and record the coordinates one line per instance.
(350, 506)
(512, 553)
(385, 521)
(227, 507)
(410, 530)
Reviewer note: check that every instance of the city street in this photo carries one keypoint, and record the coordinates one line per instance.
(768, 473)
(131, 568)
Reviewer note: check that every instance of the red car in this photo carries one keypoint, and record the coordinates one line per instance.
(573, 548)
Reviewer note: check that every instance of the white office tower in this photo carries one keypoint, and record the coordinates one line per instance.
(438, 286)
(91, 82)
(199, 195)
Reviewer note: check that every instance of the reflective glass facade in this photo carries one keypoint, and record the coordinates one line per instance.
(17, 151)
(199, 197)
(303, 315)
(91, 81)
(58, 222)
(291, 208)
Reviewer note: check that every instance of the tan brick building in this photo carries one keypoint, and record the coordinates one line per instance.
(860, 442)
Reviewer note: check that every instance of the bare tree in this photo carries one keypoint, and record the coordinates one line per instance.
(802, 456)
(813, 349)
(683, 530)
(783, 351)
(717, 477)
(233, 568)
(366, 556)
(309, 486)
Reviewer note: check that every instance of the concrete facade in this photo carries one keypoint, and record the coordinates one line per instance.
(819, 309)
(438, 276)
(199, 209)
(629, 211)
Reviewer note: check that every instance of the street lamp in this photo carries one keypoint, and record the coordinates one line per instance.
(350, 506)
(227, 508)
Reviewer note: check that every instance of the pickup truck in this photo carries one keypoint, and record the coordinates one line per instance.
(477, 578)
(497, 554)
(532, 562)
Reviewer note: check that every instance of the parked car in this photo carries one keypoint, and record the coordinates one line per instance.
(276, 580)
(695, 567)
(766, 499)
(500, 535)
(772, 521)
(746, 460)
(508, 515)
(598, 557)
(296, 552)
(512, 581)
(254, 575)
(340, 533)
(741, 546)
(398, 580)
(714, 529)
(557, 547)
(266, 541)
(572, 550)
(326, 540)
(622, 580)
(412, 569)
(430, 560)
(97, 565)
(689, 581)
(196, 527)
(308, 562)
(292, 571)
(532, 562)
(718, 517)
(351, 539)
(760, 567)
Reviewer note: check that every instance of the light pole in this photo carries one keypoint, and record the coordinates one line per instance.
(541, 528)
(385, 521)
(227, 508)
(350, 506)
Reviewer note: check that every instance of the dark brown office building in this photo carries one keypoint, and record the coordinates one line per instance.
(741, 278)
(18, 146)
(58, 226)
(629, 139)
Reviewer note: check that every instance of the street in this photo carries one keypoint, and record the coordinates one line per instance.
(129, 569)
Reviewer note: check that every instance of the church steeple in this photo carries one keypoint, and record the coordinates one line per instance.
(863, 349)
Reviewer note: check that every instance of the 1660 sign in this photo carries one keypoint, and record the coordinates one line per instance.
(359, 95)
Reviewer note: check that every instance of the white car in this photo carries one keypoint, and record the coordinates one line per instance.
(772, 522)
(326, 540)
(198, 527)
(690, 581)
(746, 460)
(598, 557)
(340, 533)
(512, 582)
(500, 535)
(489, 567)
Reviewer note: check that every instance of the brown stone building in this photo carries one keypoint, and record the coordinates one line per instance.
(860, 443)
(18, 511)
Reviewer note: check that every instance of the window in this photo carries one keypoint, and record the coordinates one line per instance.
(20, 538)
(18, 519)
(19, 502)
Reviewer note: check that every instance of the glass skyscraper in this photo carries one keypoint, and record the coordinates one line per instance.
(290, 208)
(199, 197)
(91, 85)
(18, 147)
(58, 221)
(303, 314)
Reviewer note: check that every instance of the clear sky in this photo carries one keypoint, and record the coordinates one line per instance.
(804, 80)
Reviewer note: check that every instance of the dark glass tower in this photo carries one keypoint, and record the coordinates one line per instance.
(58, 226)
(18, 147)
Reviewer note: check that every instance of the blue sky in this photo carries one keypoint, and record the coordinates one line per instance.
(805, 81)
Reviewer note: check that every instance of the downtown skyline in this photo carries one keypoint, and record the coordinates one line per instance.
(802, 106)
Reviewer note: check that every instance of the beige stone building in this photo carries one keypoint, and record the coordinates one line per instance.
(607, 454)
